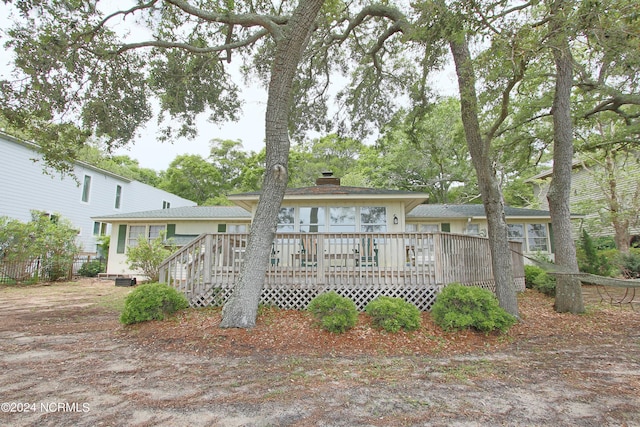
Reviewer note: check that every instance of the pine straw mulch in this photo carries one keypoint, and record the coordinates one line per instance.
(293, 333)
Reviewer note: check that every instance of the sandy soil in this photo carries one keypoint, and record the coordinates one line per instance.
(66, 361)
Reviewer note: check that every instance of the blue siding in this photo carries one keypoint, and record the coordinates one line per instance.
(24, 186)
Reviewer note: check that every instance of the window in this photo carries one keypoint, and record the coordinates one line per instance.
(165, 204)
(472, 229)
(155, 230)
(342, 219)
(373, 219)
(99, 228)
(232, 228)
(86, 188)
(118, 196)
(537, 237)
(286, 219)
(135, 233)
(515, 232)
(312, 219)
(428, 228)
(237, 228)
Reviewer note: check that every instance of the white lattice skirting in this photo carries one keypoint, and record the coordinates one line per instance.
(299, 297)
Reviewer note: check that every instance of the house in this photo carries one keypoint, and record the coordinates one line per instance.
(590, 188)
(333, 236)
(25, 188)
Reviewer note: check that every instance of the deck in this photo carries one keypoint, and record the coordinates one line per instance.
(413, 266)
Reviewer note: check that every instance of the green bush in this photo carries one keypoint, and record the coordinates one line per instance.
(333, 312)
(530, 274)
(91, 268)
(590, 258)
(545, 283)
(630, 264)
(152, 301)
(463, 307)
(147, 255)
(393, 314)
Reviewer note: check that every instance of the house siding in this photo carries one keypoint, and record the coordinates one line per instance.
(25, 187)
(586, 189)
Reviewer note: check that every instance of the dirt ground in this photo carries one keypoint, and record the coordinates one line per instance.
(66, 361)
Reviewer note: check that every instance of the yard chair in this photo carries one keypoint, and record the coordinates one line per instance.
(308, 252)
(367, 253)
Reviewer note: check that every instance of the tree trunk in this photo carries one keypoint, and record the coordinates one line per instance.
(487, 180)
(242, 308)
(568, 289)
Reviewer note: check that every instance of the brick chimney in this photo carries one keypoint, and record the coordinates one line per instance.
(327, 178)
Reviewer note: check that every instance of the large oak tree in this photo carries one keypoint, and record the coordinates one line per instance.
(81, 62)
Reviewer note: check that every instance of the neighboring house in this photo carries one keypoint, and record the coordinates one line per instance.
(588, 196)
(25, 188)
(328, 209)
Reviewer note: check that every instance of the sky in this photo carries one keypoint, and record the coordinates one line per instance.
(249, 129)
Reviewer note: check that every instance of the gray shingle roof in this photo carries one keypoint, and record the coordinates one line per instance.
(469, 211)
(328, 189)
(185, 213)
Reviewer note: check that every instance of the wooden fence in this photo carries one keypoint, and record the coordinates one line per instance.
(362, 266)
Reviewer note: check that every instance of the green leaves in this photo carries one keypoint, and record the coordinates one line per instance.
(147, 255)
(462, 307)
(49, 238)
(152, 301)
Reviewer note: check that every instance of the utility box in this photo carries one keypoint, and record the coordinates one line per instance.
(125, 281)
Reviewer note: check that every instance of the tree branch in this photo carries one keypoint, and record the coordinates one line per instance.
(270, 23)
(194, 49)
(376, 10)
(504, 108)
(614, 104)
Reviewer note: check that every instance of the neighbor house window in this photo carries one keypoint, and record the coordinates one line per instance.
(342, 219)
(86, 188)
(286, 219)
(118, 196)
(165, 204)
(373, 219)
(312, 219)
(136, 232)
(99, 228)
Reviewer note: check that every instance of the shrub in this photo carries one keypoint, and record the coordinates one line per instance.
(147, 256)
(630, 264)
(392, 314)
(590, 259)
(152, 301)
(333, 312)
(545, 283)
(463, 307)
(91, 268)
(530, 274)
(49, 239)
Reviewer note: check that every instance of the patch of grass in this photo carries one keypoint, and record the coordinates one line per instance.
(112, 302)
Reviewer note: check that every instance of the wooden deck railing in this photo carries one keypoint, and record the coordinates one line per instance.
(358, 265)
